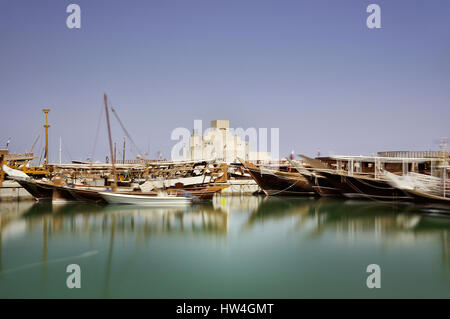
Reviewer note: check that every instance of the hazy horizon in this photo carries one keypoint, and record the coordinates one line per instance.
(310, 68)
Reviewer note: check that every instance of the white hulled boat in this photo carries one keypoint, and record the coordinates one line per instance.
(147, 200)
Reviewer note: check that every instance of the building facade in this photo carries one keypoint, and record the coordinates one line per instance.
(220, 143)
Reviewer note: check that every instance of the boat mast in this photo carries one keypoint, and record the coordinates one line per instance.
(114, 186)
(2, 173)
(46, 126)
(444, 153)
(115, 152)
(123, 153)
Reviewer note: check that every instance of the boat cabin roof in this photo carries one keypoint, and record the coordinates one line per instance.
(362, 158)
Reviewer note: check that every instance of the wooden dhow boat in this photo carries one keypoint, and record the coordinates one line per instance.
(88, 194)
(50, 191)
(38, 189)
(422, 197)
(362, 177)
(364, 187)
(200, 192)
(320, 184)
(278, 183)
(421, 187)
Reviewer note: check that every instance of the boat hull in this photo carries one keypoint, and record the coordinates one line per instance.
(146, 200)
(61, 195)
(356, 187)
(327, 191)
(37, 190)
(322, 186)
(281, 184)
(86, 195)
(422, 197)
(199, 192)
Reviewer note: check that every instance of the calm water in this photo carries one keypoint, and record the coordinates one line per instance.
(234, 247)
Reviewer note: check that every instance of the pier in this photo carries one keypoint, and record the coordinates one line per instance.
(12, 191)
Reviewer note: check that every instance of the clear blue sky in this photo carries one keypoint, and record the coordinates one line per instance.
(311, 68)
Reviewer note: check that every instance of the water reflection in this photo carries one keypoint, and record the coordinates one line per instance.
(86, 219)
(308, 220)
(351, 219)
(358, 221)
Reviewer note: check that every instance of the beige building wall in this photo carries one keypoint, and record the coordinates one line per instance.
(218, 143)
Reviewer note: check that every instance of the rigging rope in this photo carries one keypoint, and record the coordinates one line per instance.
(66, 150)
(40, 157)
(360, 179)
(125, 130)
(96, 134)
(363, 193)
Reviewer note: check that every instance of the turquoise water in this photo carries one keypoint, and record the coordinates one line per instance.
(234, 247)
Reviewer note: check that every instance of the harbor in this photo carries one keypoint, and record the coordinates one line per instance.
(201, 226)
(218, 168)
(224, 158)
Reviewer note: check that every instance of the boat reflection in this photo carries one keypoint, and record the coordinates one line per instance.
(81, 219)
(349, 218)
(347, 222)
(350, 221)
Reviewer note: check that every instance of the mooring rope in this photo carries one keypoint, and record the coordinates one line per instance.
(361, 192)
(365, 183)
(269, 172)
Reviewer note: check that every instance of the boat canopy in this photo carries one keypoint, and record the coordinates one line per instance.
(14, 172)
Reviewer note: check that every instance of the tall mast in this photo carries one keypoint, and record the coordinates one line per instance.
(124, 141)
(115, 152)
(46, 126)
(110, 144)
(2, 174)
(60, 149)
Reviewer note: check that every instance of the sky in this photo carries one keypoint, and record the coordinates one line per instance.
(311, 68)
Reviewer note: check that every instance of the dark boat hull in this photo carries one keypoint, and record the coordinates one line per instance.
(62, 194)
(282, 184)
(322, 186)
(422, 197)
(335, 181)
(87, 195)
(37, 190)
(326, 191)
(356, 187)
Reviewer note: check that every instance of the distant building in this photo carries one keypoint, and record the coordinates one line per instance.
(220, 144)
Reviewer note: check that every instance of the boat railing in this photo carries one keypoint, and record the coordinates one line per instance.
(411, 154)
